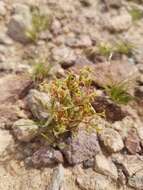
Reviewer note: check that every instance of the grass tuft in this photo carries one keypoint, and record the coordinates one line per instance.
(119, 93)
(40, 22)
(125, 48)
(105, 49)
(41, 70)
(136, 14)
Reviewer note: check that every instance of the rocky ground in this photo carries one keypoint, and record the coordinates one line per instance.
(107, 36)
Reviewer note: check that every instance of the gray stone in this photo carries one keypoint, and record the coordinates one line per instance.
(118, 23)
(124, 126)
(111, 140)
(57, 70)
(20, 9)
(57, 178)
(64, 55)
(19, 24)
(82, 41)
(82, 147)
(105, 166)
(25, 130)
(46, 156)
(39, 104)
(88, 163)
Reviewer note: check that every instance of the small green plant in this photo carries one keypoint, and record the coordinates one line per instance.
(119, 93)
(123, 47)
(105, 49)
(102, 49)
(40, 70)
(136, 14)
(40, 22)
(71, 99)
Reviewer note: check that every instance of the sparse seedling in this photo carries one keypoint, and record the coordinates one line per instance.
(119, 93)
(136, 14)
(105, 49)
(71, 99)
(102, 49)
(41, 70)
(125, 48)
(40, 22)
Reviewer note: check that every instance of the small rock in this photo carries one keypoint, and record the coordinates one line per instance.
(38, 102)
(132, 142)
(94, 181)
(4, 39)
(83, 61)
(116, 72)
(113, 3)
(13, 87)
(82, 41)
(19, 24)
(124, 126)
(6, 141)
(25, 130)
(46, 156)
(82, 147)
(88, 163)
(2, 8)
(8, 114)
(20, 9)
(105, 166)
(136, 181)
(87, 3)
(64, 55)
(118, 23)
(56, 70)
(111, 140)
(130, 163)
(113, 73)
(139, 92)
(113, 112)
(57, 178)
